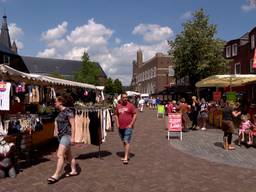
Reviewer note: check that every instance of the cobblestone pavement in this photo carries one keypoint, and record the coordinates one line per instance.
(156, 165)
(209, 145)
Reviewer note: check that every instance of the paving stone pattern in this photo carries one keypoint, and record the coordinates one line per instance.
(209, 145)
(155, 166)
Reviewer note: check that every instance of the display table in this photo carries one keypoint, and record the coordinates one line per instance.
(45, 134)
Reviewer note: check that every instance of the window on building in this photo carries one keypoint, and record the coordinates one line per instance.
(152, 73)
(252, 70)
(6, 60)
(171, 71)
(228, 51)
(234, 49)
(155, 72)
(237, 68)
(252, 41)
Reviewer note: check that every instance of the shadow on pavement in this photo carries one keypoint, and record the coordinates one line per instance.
(219, 144)
(94, 155)
(121, 154)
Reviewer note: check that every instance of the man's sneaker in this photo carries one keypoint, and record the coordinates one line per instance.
(203, 128)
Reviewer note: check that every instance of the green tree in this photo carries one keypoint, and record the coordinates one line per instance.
(57, 74)
(89, 73)
(196, 52)
(118, 87)
(113, 87)
(109, 88)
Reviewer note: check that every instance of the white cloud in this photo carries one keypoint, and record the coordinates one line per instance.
(76, 53)
(251, 4)
(153, 32)
(94, 38)
(56, 32)
(48, 53)
(117, 41)
(16, 34)
(90, 34)
(186, 15)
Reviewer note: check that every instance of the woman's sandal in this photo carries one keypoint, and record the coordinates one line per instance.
(71, 174)
(125, 162)
(123, 159)
(52, 180)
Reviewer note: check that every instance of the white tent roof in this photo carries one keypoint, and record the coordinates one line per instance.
(6, 70)
(227, 80)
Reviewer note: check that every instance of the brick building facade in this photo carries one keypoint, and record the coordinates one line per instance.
(240, 52)
(153, 75)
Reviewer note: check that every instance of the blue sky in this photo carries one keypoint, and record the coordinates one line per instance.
(112, 30)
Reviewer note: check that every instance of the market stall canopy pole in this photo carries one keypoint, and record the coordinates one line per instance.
(226, 80)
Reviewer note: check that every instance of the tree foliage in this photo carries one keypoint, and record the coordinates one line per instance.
(113, 87)
(196, 52)
(89, 73)
(57, 74)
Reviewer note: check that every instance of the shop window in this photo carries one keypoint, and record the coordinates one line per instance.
(234, 49)
(237, 68)
(252, 41)
(6, 60)
(228, 51)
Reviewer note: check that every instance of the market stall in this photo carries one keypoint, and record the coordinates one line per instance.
(234, 85)
(26, 105)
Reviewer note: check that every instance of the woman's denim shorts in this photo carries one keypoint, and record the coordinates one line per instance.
(65, 140)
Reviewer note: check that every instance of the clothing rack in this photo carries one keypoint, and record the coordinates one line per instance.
(92, 109)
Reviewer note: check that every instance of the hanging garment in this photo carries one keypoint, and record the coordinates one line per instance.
(94, 127)
(86, 135)
(108, 120)
(5, 88)
(79, 127)
(103, 130)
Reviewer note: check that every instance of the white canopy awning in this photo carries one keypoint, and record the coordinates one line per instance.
(227, 80)
(13, 73)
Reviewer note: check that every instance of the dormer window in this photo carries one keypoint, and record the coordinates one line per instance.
(234, 49)
(228, 51)
(252, 41)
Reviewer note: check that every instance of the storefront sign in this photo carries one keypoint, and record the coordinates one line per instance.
(174, 122)
(231, 96)
(216, 95)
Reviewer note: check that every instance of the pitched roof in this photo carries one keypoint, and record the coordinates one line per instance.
(5, 49)
(47, 66)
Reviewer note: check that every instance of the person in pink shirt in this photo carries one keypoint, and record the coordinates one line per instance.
(125, 119)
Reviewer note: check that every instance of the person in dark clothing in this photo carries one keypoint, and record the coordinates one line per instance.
(228, 125)
(194, 113)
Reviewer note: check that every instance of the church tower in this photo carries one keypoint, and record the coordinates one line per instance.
(4, 36)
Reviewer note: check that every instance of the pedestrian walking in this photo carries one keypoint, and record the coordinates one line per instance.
(203, 114)
(125, 119)
(194, 113)
(65, 123)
